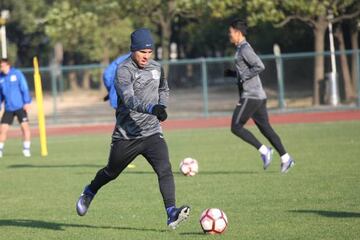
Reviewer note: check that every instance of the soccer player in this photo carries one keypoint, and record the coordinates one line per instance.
(143, 95)
(252, 103)
(14, 92)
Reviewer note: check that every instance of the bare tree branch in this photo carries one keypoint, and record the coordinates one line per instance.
(158, 17)
(172, 9)
(347, 16)
(334, 2)
(307, 20)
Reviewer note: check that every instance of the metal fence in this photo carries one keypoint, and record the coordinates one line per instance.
(198, 87)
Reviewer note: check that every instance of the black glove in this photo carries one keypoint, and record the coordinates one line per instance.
(106, 98)
(229, 73)
(160, 112)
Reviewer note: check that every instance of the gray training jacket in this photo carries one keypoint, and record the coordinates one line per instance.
(248, 66)
(138, 90)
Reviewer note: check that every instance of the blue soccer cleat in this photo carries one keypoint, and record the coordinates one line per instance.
(84, 201)
(267, 158)
(285, 166)
(177, 215)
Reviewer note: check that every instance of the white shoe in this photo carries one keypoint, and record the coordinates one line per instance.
(26, 153)
(285, 167)
(267, 158)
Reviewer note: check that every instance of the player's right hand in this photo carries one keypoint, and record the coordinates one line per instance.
(229, 73)
(27, 107)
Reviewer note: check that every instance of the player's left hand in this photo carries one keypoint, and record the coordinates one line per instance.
(163, 116)
(160, 112)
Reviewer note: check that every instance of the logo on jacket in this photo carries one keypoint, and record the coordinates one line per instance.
(137, 75)
(155, 74)
(13, 78)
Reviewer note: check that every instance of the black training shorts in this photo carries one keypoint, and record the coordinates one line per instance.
(8, 116)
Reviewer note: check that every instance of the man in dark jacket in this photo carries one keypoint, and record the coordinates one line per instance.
(143, 94)
(252, 103)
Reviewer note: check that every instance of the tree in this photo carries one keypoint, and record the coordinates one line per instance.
(226, 8)
(349, 90)
(111, 37)
(220, 13)
(85, 28)
(354, 32)
(162, 14)
(311, 12)
(349, 83)
(67, 24)
(25, 35)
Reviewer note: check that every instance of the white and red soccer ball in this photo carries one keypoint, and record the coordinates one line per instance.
(213, 221)
(189, 167)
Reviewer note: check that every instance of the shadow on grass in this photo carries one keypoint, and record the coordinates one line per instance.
(224, 172)
(56, 166)
(28, 223)
(192, 233)
(18, 166)
(333, 214)
(201, 173)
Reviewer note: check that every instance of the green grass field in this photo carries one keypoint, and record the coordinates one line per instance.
(318, 199)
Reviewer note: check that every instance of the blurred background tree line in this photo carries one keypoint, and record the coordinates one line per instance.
(75, 32)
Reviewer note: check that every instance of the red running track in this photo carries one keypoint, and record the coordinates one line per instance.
(288, 118)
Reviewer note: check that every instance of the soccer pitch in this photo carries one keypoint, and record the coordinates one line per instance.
(318, 199)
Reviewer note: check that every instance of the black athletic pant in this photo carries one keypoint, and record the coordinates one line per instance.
(256, 109)
(123, 152)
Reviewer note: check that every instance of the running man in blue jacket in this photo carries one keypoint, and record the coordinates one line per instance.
(14, 92)
(109, 76)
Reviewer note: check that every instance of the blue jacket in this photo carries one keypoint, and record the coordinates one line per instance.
(109, 76)
(14, 90)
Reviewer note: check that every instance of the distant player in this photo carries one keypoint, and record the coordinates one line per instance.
(109, 76)
(143, 94)
(14, 92)
(252, 103)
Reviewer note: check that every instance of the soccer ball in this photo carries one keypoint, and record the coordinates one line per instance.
(189, 167)
(213, 221)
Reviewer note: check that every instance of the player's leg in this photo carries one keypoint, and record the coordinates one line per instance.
(122, 153)
(6, 121)
(242, 113)
(261, 119)
(156, 153)
(25, 130)
(3, 135)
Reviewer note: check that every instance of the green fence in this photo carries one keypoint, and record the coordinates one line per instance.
(198, 87)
